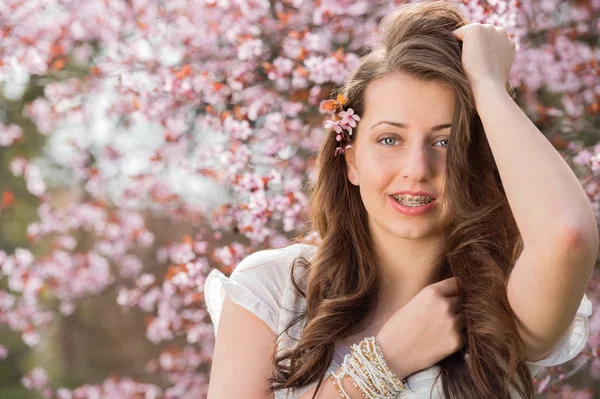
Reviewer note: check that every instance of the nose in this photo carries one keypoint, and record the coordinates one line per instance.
(418, 164)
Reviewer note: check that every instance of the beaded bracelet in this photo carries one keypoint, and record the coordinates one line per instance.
(338, 386)
(368, 372)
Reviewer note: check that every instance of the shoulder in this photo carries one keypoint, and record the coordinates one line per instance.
(268, 270)
(272, 260)
(259, 283)
(267, 274)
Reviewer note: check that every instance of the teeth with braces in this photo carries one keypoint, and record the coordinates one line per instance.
(412, 202)
(410, 199)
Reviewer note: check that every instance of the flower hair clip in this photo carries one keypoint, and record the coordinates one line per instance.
(343, 122)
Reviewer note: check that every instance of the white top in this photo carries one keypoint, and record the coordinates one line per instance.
(261, 284)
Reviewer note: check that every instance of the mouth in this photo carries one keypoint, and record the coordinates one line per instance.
(413, 208)
(412, 201)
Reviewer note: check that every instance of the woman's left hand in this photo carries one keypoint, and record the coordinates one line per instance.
(487, 53)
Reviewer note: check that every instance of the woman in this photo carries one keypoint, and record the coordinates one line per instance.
(455, 243)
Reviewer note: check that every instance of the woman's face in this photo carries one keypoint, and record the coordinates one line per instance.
(401, 145)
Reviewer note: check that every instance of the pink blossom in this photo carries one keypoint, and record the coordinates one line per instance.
(174, 115)
(333, 124)
(9, 134)
(349, 117)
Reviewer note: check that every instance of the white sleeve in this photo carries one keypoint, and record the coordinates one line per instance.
(572, 343)
(255, 284)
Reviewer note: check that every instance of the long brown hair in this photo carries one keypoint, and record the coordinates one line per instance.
(480, 246)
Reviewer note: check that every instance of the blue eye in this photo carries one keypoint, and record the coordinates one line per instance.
(385, 138)
(380, 142)
(447, 144)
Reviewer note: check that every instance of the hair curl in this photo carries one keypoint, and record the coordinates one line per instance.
(480, 246)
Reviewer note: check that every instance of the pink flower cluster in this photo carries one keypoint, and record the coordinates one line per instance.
(207, 112)
(348, 122)
(9, 134)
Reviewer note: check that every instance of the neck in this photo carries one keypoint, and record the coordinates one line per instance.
(406, 266)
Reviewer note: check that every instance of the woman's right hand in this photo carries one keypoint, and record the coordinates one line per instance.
(424, 331)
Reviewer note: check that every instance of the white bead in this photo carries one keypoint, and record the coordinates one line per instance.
(383, 380)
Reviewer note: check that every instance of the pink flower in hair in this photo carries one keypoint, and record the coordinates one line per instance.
(346, 122)
(335, 125)
(349, 117)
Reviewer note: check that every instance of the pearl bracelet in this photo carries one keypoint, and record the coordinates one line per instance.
(368, 372)
(338, 386)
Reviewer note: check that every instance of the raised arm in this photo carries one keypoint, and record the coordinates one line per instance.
(550, 207)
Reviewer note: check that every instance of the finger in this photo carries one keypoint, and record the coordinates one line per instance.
(454, 304)
(503, 31)
(447, 287)
(460, 32)
(460, 321)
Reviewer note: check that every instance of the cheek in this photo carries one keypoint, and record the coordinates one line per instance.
(377, 168)
(380, 161)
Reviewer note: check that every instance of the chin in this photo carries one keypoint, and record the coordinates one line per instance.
(413, 234)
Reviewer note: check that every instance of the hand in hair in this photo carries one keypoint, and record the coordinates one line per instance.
(487, 53)
(425, 330)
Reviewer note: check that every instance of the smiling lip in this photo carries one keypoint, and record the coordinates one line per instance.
(411, 211)
(413, 193)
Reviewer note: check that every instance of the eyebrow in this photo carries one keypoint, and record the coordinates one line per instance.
(403, 126)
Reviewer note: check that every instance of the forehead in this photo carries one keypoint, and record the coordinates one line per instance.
(408, 100)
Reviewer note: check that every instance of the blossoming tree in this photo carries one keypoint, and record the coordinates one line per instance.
(207, 111)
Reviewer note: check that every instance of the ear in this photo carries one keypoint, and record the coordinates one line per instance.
(351, 171)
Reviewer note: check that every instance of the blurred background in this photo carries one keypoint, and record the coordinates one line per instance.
(144, 143)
